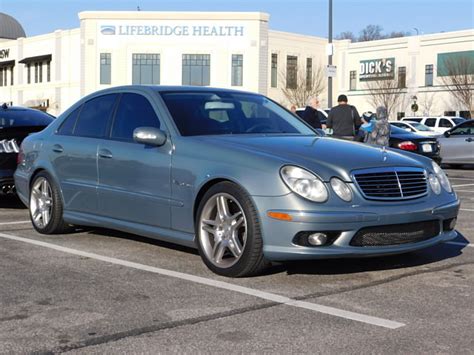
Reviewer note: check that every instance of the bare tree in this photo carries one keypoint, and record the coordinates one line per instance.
(371, 33)
(457, 74)
(427, 101)
(387, 93)
(303, 86)
(347, 35)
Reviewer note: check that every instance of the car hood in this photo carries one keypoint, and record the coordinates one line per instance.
(326, 157)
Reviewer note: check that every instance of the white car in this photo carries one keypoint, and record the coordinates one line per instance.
(438, 124)
(415, 127)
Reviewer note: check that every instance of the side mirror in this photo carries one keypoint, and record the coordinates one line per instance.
(447, 134)
(149, 135)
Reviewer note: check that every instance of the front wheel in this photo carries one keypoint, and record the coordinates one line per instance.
(228, 232)
(46, 208)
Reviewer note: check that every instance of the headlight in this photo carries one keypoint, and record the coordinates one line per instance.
(442, 177)
(341, 189)
(434, 183)
(304, 183)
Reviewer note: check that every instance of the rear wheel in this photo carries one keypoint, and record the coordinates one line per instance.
(228, 232)
(46, 209)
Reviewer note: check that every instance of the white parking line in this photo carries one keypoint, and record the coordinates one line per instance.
(458, 178)
(463, 185)
(466, 209)
(461, 244)
(219, 284)
(464, 190)
(16, 222)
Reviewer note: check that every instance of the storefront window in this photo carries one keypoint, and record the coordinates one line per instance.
(429, 75)
(146, 69)
(196, 69)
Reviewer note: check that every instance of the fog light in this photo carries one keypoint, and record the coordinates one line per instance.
(449, 224)
(317, 239)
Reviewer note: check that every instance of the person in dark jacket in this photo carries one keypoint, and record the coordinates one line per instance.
(311, 114)
(344, 119)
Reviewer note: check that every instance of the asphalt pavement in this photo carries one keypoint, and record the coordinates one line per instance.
(102, 291)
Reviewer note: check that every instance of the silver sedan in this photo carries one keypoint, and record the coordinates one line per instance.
(457, 144)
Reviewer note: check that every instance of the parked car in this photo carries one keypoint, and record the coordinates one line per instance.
(415, 127)
(324, 113)
(457, 144)
(15, 124)
(415, 143)
(232, 174)
(437, 124)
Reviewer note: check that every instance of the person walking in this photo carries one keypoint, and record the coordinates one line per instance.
(344, 119)
(380, 131)
(311, 114)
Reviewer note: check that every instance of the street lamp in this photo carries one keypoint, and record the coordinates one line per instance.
(330, 55)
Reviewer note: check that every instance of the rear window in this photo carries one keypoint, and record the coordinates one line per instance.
(18, 117)
(95, 113)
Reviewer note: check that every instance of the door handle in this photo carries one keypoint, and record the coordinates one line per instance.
(105, 153)
(469, 139)
(57, 148)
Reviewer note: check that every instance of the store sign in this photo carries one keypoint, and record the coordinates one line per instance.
(376, 69)
(4, 53)
(167, 30)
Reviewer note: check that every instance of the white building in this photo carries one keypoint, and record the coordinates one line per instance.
(222, 49)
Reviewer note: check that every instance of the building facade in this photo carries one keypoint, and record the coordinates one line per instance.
(221, 49)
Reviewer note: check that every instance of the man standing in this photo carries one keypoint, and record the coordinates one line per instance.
(343, 119)
(311, 114)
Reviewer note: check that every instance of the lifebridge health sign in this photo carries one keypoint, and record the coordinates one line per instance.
(172, 30)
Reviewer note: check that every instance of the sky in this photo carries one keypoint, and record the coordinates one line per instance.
(300, 16)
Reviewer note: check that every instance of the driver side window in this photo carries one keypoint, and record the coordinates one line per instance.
(464, 129)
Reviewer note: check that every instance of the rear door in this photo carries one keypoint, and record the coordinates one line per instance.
(134, 178)
(73, 152)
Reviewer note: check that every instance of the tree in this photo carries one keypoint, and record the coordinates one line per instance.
(305, 86)
(387, 93)
(457, 74)
(347, 35)
(371, 33)
(426, 101)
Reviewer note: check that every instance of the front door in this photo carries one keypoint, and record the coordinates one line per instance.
(134, 179)
(459, 146)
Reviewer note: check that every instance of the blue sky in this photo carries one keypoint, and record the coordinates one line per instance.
(300, 16)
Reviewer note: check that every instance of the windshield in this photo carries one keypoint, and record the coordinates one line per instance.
(421, 127)
(217, 113)
(20, 117)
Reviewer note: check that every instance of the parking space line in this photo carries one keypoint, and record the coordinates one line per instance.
(463, 185)
(16, 222)
(466, 209)
(219, 284)
(464, 190)
(462, 244)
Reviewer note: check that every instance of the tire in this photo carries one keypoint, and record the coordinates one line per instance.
(46, 207)
(228, 233)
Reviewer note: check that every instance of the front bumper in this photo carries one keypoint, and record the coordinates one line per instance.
(278, 235)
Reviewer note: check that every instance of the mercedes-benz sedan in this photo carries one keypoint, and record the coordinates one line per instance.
(231, 173)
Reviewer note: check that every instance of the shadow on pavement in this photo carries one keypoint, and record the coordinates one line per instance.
(11, 201)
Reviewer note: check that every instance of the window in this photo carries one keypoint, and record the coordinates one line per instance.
(352, 80)
(2, 73)
(67, 126)
(133, 111)
(274, 73)
(402, 77)
(449, 113)
(146, 69)
(92, 121)
(430, 122)
(400, 115)
(196, 69)
(105, 68)
(36, 73)
(48, 71)
(445, 123)
(11, 75)
(463, 114)
(467, 128)
(309, 73)
(237, 69)
(429, 75)
(40, 72)
(28, 73)
(291, 71)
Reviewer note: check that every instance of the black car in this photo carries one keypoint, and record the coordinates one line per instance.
(15, 124)
(415, 143)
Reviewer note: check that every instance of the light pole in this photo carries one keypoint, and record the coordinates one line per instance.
(330, 55)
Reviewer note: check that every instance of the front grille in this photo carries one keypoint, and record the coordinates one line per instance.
(396, 234)
(392, 183)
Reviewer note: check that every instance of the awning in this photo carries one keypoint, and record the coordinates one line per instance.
(7, 63)
(38, 58)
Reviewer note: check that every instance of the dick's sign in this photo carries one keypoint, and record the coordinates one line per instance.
(376, 69)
